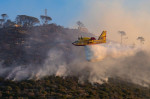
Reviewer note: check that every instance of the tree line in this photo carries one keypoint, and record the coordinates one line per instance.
(23, 21)
(123, 33)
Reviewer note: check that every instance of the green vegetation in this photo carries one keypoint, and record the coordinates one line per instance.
(68, 88)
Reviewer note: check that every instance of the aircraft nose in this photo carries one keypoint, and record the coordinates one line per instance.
(73, 43)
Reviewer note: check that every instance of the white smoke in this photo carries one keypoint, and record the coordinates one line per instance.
(112, 60)
(111, 49)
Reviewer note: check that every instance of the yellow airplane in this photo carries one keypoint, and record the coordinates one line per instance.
(83, 41)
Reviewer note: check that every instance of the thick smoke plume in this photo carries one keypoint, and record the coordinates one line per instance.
(115, 60)
(57, 56)
(109, 60)
(113, 50)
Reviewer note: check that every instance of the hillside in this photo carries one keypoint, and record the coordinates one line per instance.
(41, 62)
(31, 45)
(68, 88)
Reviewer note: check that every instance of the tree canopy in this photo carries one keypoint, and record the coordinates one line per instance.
(45, 19)
(9, 23)
(26, 21)
(141, 39)
(80, 24)
(4, 17)
(123, 33)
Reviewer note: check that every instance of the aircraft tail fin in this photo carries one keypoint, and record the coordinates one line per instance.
(103, 36)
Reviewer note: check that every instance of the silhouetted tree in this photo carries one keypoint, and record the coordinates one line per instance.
(122, 33)
(26, 21)
(80, 24)
(141, 39)
(4, 16)
(9, 23)
(45, 19)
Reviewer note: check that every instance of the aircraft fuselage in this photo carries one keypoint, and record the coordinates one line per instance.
(88, 42)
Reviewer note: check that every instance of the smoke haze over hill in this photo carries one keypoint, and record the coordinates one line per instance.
(64, 59)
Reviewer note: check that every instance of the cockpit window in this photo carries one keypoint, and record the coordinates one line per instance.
(76, 42)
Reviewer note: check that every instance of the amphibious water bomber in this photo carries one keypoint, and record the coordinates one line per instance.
(83, 41)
